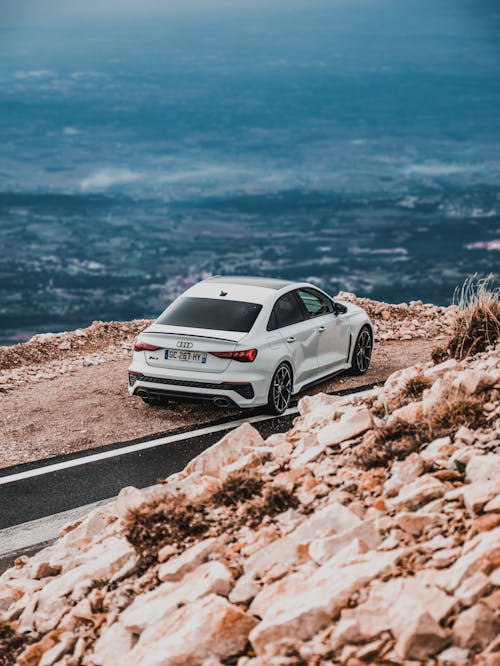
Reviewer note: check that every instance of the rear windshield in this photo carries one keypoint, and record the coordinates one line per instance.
(214, 313)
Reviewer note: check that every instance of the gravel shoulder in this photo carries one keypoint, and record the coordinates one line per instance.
(89, 407)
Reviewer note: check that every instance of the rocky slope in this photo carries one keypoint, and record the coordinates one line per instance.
(367, 534)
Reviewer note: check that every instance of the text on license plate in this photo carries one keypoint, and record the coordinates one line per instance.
(179, 355)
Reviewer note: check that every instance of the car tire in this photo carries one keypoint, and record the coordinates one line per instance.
(362, 352)
(280, 390)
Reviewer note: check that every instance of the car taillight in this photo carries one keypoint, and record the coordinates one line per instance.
(247, 356)
(133, 376)
(144, 346)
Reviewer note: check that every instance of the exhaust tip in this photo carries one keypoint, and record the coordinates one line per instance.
(142, 393)
(221, 402)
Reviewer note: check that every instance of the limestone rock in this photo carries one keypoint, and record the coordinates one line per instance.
(207, 628)
(195, 487)
(473, 588)
(390, 604)
(113, 646)
(324, 548)
(101, 563)
(475, 627)
(453, 656)
(421, 638)
(323, 594)
(420, 491)
(176, 567)
(228, 450)
(438, 451)
(415, 523)
(493, 505)
(128, 499)
(244, 591)
(147, 609)
(483, 468)
(471, 381)
(477, 494)
(410, 413)
(334, 518)
(402, 473)
(479, 553)
(354, 422)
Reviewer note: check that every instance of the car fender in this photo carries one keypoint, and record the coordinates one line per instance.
(358, 320)
(283, 359)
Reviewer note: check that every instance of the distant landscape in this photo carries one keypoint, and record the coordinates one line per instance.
(358, 150)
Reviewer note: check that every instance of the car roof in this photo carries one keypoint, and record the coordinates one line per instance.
(248, 289)
(248, 281)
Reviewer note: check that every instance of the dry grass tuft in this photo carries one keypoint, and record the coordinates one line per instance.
(410, 392)
(453, 410)
(396, 441)
(414, 387)
(247, 499)
(172, 521)
(274, 500)
(477, 321)
(389, 442)
(11, 644)
(239, 487)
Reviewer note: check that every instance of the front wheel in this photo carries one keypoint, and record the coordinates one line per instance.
(362, 353)
(280, 390)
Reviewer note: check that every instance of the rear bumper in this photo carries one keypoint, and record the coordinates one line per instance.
(241, 394)
(244, 389)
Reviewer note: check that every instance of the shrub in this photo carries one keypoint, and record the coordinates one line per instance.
(477, 321)
(175, 520)
(389, 442)
(455, 409)
(396, 441)
(172, 521)
(11, 644)
(414, 387)
(238, 487)
(274, 500)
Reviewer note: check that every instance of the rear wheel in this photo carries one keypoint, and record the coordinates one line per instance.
(280, 390)
(362, 353)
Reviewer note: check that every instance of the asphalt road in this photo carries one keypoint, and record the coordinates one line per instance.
(34, 490)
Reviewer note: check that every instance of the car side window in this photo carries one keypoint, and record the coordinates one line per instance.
(315, 303)
(286, 312)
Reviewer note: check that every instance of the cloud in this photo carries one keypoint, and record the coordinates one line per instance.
(435, 169)
(33, 74)
(71, 131)
(105, 178)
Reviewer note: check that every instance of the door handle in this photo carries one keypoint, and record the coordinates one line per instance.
(290, 339)
(321, 329)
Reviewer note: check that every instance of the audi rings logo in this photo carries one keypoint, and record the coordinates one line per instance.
(184, 344)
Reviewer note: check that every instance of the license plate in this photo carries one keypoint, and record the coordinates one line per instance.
(189, 356)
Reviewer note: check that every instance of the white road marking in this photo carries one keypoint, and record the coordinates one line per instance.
(42, 530)
(133, 448)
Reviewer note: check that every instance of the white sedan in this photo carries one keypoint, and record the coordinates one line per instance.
(248, 342)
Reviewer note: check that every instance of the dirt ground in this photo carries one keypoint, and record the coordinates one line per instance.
(90, 407)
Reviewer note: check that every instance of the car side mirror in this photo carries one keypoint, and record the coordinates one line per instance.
(338, 308)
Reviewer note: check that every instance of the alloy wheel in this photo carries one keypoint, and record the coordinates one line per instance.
(282, 388)
(363, 350)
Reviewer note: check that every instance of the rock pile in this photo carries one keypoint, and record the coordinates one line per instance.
(367, 534)
(49, 355)
(405, 321)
